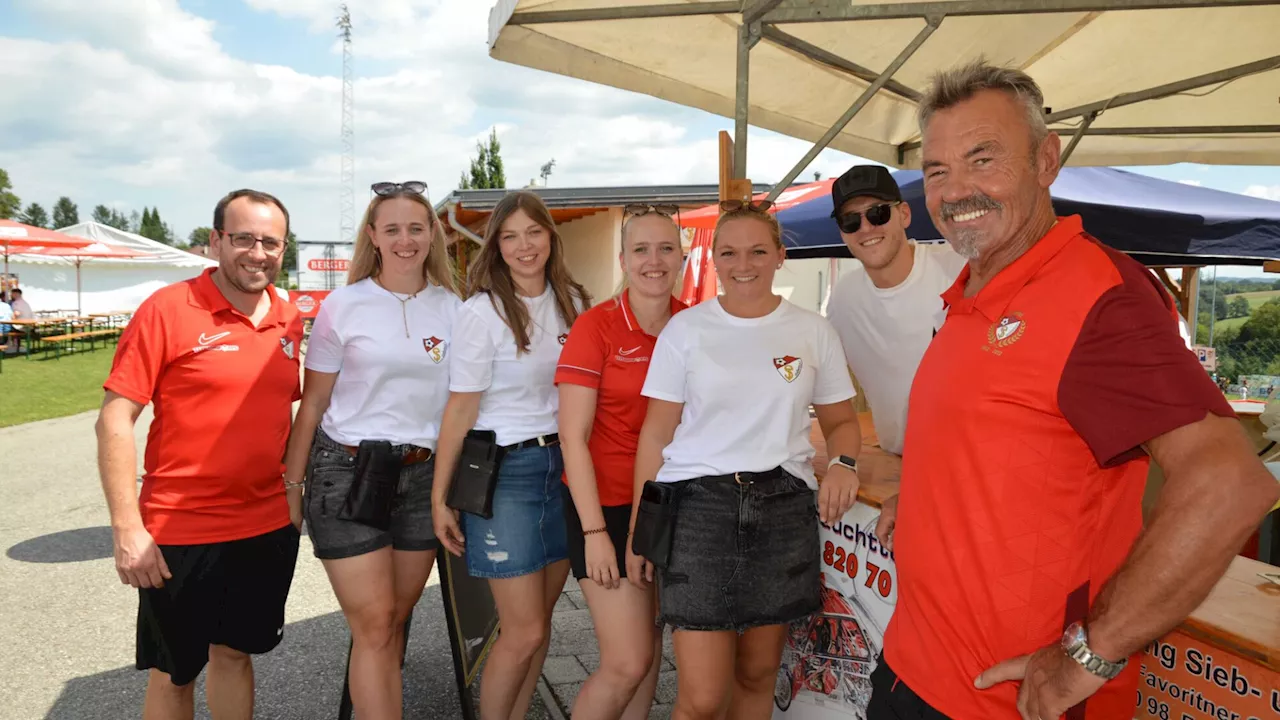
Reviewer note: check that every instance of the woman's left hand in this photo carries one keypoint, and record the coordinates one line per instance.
(837, 493)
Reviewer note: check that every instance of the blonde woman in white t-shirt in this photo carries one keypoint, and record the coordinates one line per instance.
(727, 429)
(377, 370)
(508, 339)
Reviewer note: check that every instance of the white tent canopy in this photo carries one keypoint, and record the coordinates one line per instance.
(108, 284)
(1156, 81)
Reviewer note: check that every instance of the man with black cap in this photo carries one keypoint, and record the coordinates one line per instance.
(887, 310)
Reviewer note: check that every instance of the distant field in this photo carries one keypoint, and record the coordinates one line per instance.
(1229, 323)
(1256, 298)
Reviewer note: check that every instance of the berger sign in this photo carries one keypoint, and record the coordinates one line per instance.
(323, 266)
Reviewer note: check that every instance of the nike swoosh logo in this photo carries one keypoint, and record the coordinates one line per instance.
(206, 339)
(628, 352)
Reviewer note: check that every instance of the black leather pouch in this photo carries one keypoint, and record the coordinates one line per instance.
(655, 522)
(476, 476)
(373, 492)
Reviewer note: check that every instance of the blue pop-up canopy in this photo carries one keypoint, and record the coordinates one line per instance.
(1156, 221)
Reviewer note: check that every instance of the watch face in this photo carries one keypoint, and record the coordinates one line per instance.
(1074, 636)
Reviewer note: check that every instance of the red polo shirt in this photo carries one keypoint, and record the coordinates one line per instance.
(609, 352)
(1023, 471)
(223, 393)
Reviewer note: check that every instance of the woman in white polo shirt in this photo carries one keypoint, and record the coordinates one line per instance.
(377, 370)
(731, 382)
(507, 343)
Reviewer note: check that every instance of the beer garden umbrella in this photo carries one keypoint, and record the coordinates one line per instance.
(16, 238)
(79, 255)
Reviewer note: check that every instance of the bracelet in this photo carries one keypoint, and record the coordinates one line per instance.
(593, 532)
(290, 485)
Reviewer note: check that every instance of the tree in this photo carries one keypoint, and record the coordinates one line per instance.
(34, 216)
(152, 227)
(102, 214)
(199, 236)
(289, 261)
(1239, 307)
(546, 171)
(9, 203)
(135, 222)
(119, 221)
(486, 168)
(65, 213)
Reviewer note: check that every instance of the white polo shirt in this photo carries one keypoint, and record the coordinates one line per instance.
(746, 385)
(519, 400)
(389, 387)
(885, 331)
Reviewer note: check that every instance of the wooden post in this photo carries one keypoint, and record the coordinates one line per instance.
(731, 189)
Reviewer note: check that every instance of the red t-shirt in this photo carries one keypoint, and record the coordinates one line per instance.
(223, 393)
(1023, 471)
(608, 351)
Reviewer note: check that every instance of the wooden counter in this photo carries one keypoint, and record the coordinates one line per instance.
(878, 470)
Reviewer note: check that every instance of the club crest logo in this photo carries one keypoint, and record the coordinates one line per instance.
(563, 337)
(788, 367)
(435, 349)
(1005, 332)
(287, 346)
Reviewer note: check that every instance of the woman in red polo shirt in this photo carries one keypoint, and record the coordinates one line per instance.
(602, 368)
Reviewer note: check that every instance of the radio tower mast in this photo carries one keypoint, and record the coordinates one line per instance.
(347, 198)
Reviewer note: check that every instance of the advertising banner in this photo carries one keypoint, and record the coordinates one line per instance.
(1184, 679)
(323, 266)
(308, 302)
(827, 662)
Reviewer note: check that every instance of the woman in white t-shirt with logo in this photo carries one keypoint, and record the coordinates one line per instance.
(507, 344)
(377, 370)
(730, 386)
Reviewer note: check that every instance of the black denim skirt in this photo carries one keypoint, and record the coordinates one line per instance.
(745, 554)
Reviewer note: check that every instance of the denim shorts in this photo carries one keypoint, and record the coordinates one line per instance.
(332, 471)
(526, 532)
(743, 555)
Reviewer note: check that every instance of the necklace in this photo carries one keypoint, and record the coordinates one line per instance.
(404, 313)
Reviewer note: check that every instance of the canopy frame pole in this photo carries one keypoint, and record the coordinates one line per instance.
(753, 13)
(931, 24)
(796, 11)
(1075, 139)
(748, 36)
(831, 60)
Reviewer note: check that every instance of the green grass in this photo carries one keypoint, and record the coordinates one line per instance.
(1229, 323)
(38, 389)
(1256, 298)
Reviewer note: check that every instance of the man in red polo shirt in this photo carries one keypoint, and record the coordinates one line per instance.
(1026, 578)
(211, 543)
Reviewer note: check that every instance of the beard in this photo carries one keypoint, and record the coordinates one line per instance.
(244, 282)
(968, 243)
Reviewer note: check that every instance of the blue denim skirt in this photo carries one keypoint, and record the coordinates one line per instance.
(527, 531)
(743, 555)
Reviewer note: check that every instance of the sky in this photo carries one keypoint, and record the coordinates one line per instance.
(172, 103)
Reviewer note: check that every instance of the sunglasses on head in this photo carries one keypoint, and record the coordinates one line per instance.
(639, 209)
(391, 188)
(729, 206)
(877, 215)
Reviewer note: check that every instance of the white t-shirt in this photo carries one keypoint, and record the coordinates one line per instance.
(389, 387)
(520, 399)
(885, 332)
(746, 385)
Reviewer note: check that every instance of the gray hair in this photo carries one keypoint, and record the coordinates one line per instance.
(952, 87)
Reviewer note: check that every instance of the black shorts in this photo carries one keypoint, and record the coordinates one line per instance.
(891, 699)
(229, 593)
(617, 519)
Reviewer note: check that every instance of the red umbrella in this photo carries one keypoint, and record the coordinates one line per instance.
(704, 218)
(78, 256)
(19, 236)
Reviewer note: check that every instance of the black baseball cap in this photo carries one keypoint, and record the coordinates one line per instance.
(863, 180)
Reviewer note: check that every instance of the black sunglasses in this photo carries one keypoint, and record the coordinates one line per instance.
(738, 205)
(391, 188)
(639, 209)
(877, 215)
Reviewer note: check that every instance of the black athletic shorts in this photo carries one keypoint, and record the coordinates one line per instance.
(229, 593)
(617, 518)
(891, 699)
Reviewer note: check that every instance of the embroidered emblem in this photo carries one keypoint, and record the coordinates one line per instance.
(788, 367)
(287, 346)
(1004, 333)
(435, 349)
(563, 337)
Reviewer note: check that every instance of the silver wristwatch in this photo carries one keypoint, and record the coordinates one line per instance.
(1075, 643)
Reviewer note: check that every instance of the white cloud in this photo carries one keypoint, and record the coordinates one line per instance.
(1271, 192)
(150, 110)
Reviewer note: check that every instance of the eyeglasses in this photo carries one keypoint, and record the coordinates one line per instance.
(877, 215)
(639, 209)
(392, 188)
(730, 206)
(246, 241)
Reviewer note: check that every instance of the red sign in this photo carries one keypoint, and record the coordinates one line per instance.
(1184, 679)
(308, 301)
(327, 265)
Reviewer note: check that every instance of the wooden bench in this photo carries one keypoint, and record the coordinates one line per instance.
(90, 335)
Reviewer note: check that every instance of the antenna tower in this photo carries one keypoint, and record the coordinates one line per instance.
(347, 196)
